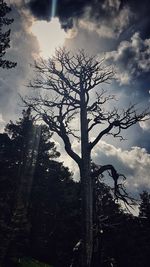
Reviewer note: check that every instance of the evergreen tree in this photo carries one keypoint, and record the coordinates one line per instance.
(19, 155)
(5, 36)
(55, 215)
(42, 199)
(144, 209)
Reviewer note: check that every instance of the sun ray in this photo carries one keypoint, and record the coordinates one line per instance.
(53, 11)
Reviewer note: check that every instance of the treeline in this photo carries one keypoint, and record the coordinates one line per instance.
(40, 213)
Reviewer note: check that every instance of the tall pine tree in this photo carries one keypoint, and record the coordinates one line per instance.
(5, 36)
(19, 157)
(144, 209)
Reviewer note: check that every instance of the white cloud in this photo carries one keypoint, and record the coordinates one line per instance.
(123, 77)
(111, 4)
(23, 47)
(2, 123)
(145, 125)
(102, 30)
(15, 2)
(133, 163)
(110, 26)
(132, 58)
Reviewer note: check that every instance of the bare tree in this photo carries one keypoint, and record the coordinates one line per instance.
(66, 82)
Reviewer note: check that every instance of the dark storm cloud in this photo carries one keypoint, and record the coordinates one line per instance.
(142, 11)
(66, 10)
(132, 58)
(70, 10)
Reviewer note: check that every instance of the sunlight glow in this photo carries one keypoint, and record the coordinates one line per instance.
(50, 36)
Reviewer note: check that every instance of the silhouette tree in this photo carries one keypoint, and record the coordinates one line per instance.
(66, 105)
(55, 215)
(19, 157)
(144, 209)
(5, 36)
(39, 200)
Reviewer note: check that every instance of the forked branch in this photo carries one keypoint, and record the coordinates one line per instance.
(119, 122)
(119, 189)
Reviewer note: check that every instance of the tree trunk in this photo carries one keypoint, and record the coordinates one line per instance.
(87, 218)
(86, 188)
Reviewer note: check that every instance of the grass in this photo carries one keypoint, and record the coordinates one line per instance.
(28, 262)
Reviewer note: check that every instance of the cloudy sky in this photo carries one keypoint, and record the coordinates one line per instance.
(118, 30)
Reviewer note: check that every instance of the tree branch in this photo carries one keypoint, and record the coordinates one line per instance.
(68, 147)
(100, 135)
(119, 190)
(120, 122)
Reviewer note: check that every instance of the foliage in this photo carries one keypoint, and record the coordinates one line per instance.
(18, 162)
(144, 209)
(5, 36)
(43, 187)
(54, 215)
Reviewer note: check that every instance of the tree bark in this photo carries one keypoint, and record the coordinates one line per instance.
(86, 187)
(87, 216)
